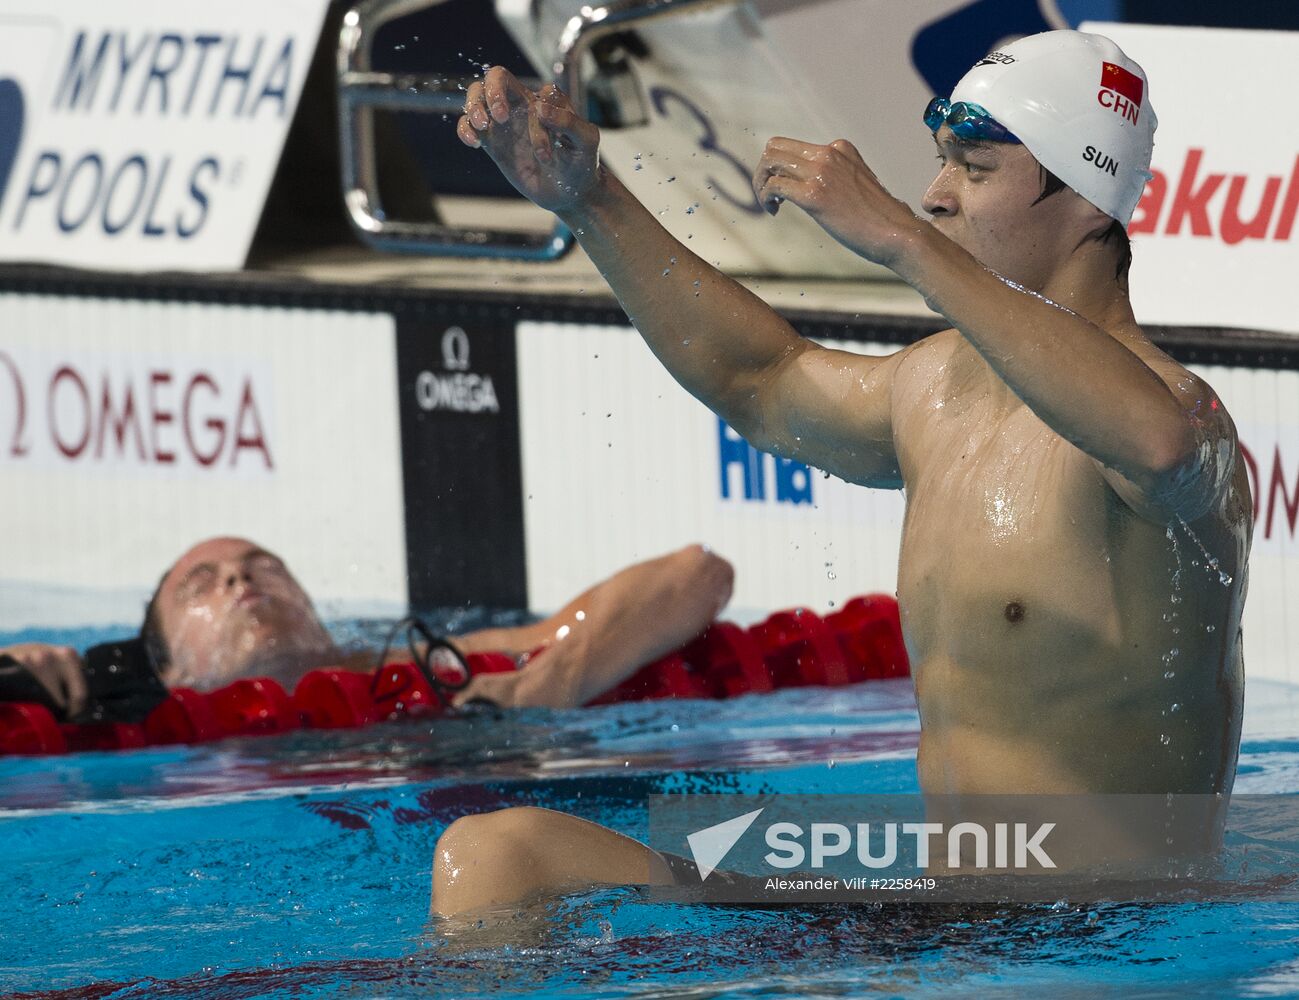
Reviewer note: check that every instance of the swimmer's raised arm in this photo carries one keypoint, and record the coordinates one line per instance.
(726, 346)
(1161, 440)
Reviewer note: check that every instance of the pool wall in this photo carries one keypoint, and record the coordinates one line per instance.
(443, 448)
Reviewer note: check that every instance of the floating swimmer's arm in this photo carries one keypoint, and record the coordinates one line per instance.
(1084, 384)
(58, 669)
(726, 346)
(607, 633)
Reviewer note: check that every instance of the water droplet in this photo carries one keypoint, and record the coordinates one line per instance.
(639, 166)
(672, 260)
(1209, 628)
(671, 179)
(1165, 739)
(667, 271)
(1175, 707)
(686, 342)
(1169, 674)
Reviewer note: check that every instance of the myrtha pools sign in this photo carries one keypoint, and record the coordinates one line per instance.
(144, 135)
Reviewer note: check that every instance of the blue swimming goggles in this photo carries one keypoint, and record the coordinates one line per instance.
(966, 120)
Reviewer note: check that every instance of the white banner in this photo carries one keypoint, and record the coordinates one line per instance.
(1214, 238)
(144, 135)
(130, 430)
(164, 416)
(620, 464)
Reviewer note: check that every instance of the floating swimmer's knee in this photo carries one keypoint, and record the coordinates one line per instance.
(506, 857)
(489, 859)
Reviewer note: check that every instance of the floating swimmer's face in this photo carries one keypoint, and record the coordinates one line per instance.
(230, 609)
(983, 199)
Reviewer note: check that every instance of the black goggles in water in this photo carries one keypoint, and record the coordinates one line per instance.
(966, 120)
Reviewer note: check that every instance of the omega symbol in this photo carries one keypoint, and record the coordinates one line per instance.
(455, 350)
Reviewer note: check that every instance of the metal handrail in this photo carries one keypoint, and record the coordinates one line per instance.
(593, 23)
(361, 90)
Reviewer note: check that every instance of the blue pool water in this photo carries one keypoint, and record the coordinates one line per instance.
(299, 866)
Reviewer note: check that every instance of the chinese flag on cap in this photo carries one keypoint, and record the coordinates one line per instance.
(1122, 81)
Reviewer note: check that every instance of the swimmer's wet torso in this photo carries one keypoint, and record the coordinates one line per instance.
(1042, 614)
(1059, 470)
(1046, 446)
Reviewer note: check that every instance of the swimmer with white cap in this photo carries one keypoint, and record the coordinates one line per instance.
(1078, 519)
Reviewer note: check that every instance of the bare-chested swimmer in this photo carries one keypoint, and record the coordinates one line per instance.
(1073, 558)
(228, 608)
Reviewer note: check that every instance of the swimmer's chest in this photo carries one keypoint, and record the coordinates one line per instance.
(1011, 534)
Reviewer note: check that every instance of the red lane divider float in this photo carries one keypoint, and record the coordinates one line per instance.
(797, 648)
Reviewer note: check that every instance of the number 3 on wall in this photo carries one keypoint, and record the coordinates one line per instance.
(661, 98)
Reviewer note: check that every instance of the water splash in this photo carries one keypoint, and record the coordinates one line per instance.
(1210, 561)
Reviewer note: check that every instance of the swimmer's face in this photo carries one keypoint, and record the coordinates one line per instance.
(230, 609)
(983, 199)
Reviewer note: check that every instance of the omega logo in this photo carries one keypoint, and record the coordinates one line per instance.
(457, 389)
(455, 350)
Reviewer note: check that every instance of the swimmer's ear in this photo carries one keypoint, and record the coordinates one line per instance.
(1101, 225)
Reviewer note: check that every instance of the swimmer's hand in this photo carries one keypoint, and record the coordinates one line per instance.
(548, 152)
(58, 669)
(835, 187)
(501, 689)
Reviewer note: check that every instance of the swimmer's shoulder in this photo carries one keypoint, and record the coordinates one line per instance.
(1185, 384)
(929, 356)
(943, 345)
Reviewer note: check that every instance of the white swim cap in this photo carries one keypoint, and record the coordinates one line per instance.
(1079, 105)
